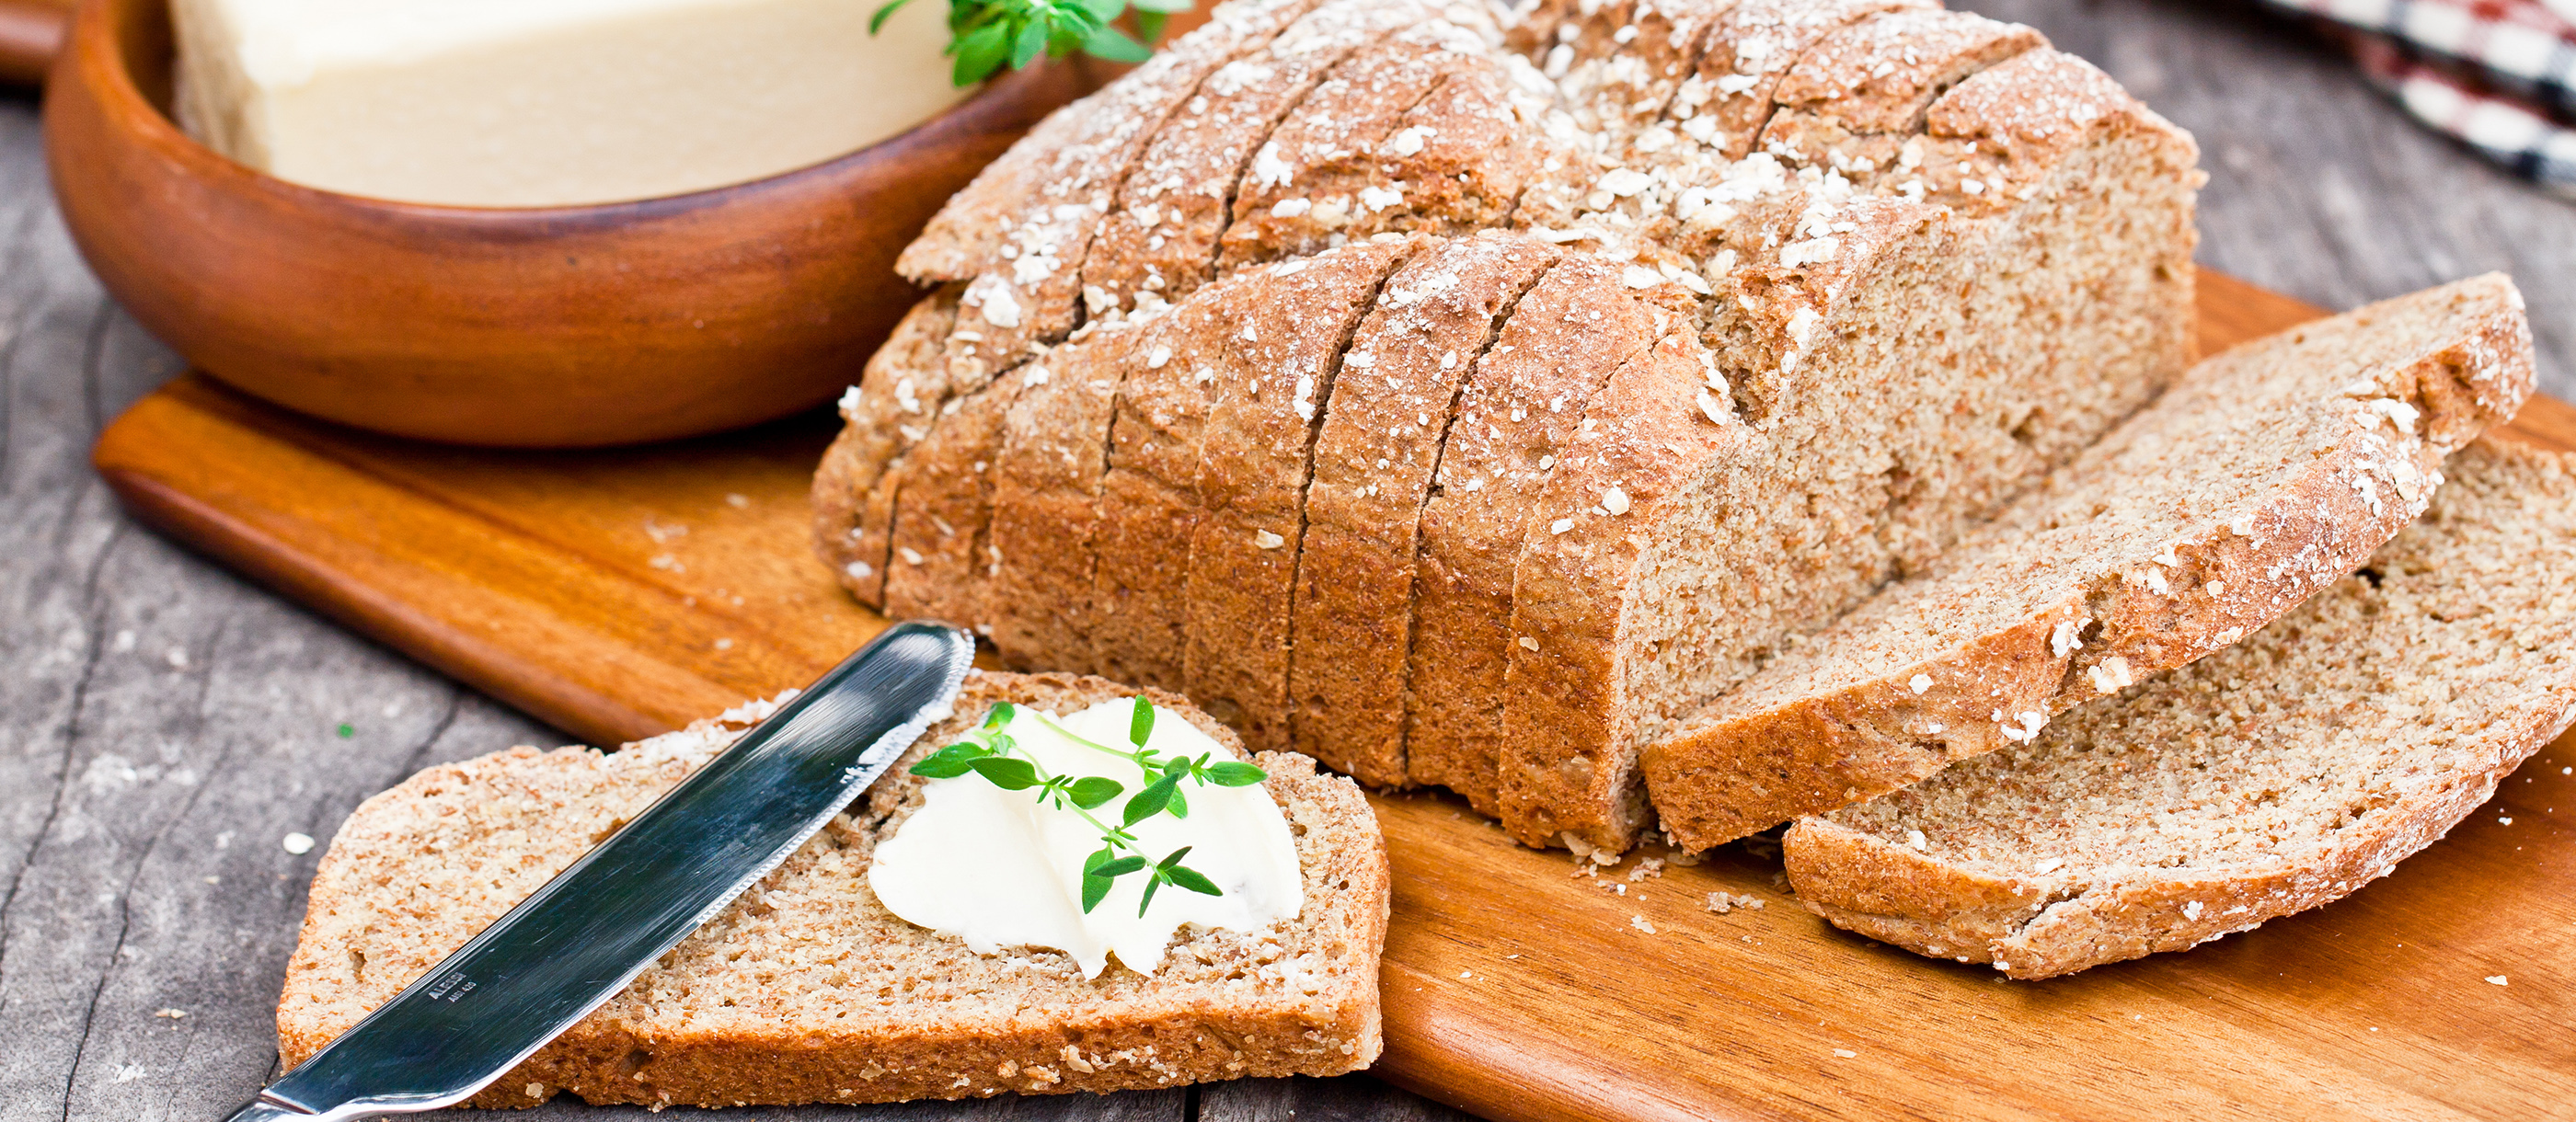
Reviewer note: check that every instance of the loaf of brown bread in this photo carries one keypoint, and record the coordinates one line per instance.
(1787, 294)
(2277, 775)
(806, 989)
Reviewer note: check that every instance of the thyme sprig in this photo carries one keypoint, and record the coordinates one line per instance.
(996, 755)
(983, 34)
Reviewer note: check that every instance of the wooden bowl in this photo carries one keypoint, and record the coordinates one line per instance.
(528, 327)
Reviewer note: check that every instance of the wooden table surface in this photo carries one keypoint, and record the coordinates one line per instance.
(163, 726)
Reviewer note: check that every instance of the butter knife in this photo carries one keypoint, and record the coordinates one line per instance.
(586, 934)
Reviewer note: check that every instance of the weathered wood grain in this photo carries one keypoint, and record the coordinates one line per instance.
(114, 807)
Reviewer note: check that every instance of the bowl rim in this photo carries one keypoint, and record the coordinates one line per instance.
(94, 43)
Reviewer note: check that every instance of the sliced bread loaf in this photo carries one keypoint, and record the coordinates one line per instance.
(807, 990)
(2274, 776)
(2270, 471)
(1913, 343)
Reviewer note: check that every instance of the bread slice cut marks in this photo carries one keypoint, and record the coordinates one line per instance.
(1320, 179)
(1025, 290)
(2274, 776)
(883, 415)
(1392, 404)
(807, 990)
(1046, 496)
(2268, 472)
(1274, 378)
(1650, 440)
(1160, 242)
(1521, 404)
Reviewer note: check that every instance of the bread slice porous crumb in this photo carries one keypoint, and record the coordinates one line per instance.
(2274, 776)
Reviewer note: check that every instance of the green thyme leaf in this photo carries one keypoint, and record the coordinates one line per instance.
(1090, 791)
(1120, 867)
(1173, 859)
(954, 760)
(979, 53)
(1141, 725)
(876, 23)
(1192, 879)
(1116, 46)
(1006, 773)
(1000, 715)
(1179, 807)
(1151, 801)
(1152, 883)
(1031, 41)
(1233, 774)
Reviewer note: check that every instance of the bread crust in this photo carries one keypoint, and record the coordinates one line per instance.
(1160, 244)
(1275, 381)
(1335, 171)
(1521, 402)
(883, 419)
(652, 1046)
(1753, 46)
(1046, 498)
(1392, 404)
(1854, 99)
(1020, 244)
(1656, 428)
(1809, 736)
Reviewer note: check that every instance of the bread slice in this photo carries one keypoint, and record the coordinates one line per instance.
(1160, 243)
(1046, 495)
(2271, 470)
(1023, 294)
(1390, 413)
(2274, 776)
(1326, 175)
(1274, 376)
(1651, 439)
(884, 415)
(806, 990)
(1521, 404)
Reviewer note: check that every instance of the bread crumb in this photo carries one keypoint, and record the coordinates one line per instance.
(173, 1014)
(1724, 902)
(1639, 922)
(298, 844)
(1267, 540)
(2495, 979)
(1847, 1053)
(1921, 683)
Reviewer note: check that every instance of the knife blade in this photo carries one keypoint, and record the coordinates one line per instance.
(583, 936)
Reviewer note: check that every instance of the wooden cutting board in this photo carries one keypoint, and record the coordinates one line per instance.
(618, 594)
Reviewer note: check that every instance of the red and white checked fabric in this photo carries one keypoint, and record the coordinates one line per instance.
(2498, 75)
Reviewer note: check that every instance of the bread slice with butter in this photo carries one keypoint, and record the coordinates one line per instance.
(807, 989)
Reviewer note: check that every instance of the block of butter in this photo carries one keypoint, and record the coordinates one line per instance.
(550, 102)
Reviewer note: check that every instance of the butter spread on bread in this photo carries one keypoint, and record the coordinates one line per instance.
(998, 867)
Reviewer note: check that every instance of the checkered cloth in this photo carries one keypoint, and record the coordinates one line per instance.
(2498, 75)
